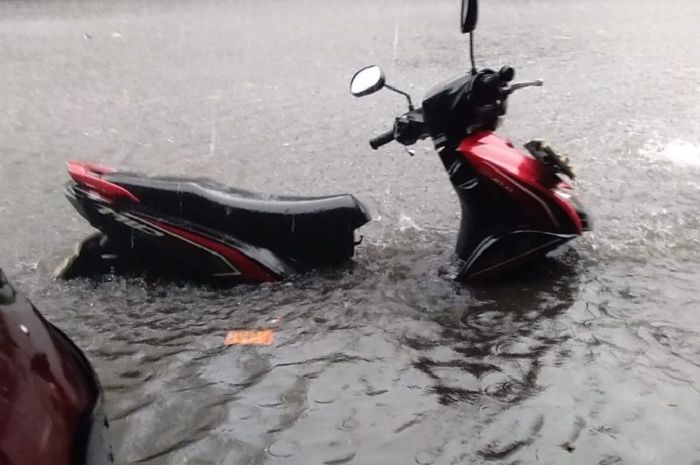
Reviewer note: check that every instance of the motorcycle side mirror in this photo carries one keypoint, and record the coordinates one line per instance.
(367, 81)
(470, 12)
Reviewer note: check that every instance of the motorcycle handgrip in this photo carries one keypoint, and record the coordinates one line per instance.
(381, 139)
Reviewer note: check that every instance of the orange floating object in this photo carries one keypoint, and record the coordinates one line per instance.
(249, 337)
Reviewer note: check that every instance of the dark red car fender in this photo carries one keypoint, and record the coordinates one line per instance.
(47, 396)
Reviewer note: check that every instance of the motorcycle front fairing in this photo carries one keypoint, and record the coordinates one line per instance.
(532, 185)
(513, 207)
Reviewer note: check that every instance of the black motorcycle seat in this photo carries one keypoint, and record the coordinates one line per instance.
(274, 204)
(263, 220)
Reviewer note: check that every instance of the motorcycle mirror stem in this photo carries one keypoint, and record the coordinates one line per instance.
(469, 16)
(405, 94)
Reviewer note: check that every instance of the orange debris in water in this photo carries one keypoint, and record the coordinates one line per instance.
(249, 337)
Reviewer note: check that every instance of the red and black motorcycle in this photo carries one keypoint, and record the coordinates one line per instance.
(515, 206)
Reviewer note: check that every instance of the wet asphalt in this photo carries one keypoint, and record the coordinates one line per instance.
(590, 357)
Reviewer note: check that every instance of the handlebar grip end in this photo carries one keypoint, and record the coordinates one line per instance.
(381, 139)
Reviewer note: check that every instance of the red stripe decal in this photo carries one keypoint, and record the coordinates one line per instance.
(249, 268)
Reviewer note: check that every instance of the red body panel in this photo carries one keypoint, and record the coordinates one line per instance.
(89, 175)
(527, 180)
(43, 391)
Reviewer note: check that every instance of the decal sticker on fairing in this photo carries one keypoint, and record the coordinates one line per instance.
(130, 221)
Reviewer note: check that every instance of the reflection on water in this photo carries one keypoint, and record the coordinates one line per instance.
(497, 342)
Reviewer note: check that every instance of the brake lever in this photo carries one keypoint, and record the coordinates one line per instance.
(521, 85)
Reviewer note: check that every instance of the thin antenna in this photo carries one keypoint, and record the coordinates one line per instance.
(471, 51)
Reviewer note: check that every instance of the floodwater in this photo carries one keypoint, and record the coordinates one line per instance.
(592, 357)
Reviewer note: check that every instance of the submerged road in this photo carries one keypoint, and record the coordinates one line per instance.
(592, 357)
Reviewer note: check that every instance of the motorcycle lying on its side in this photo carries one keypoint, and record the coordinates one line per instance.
(515, 206)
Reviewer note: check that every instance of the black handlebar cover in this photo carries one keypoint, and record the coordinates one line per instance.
(381, 139)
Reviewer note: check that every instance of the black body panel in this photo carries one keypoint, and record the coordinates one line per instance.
(445, 110)
(459, 106)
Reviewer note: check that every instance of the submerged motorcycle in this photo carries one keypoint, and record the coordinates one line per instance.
(196, 228)
(515, 206)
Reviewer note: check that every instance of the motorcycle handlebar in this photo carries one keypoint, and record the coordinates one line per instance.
(381, 139)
